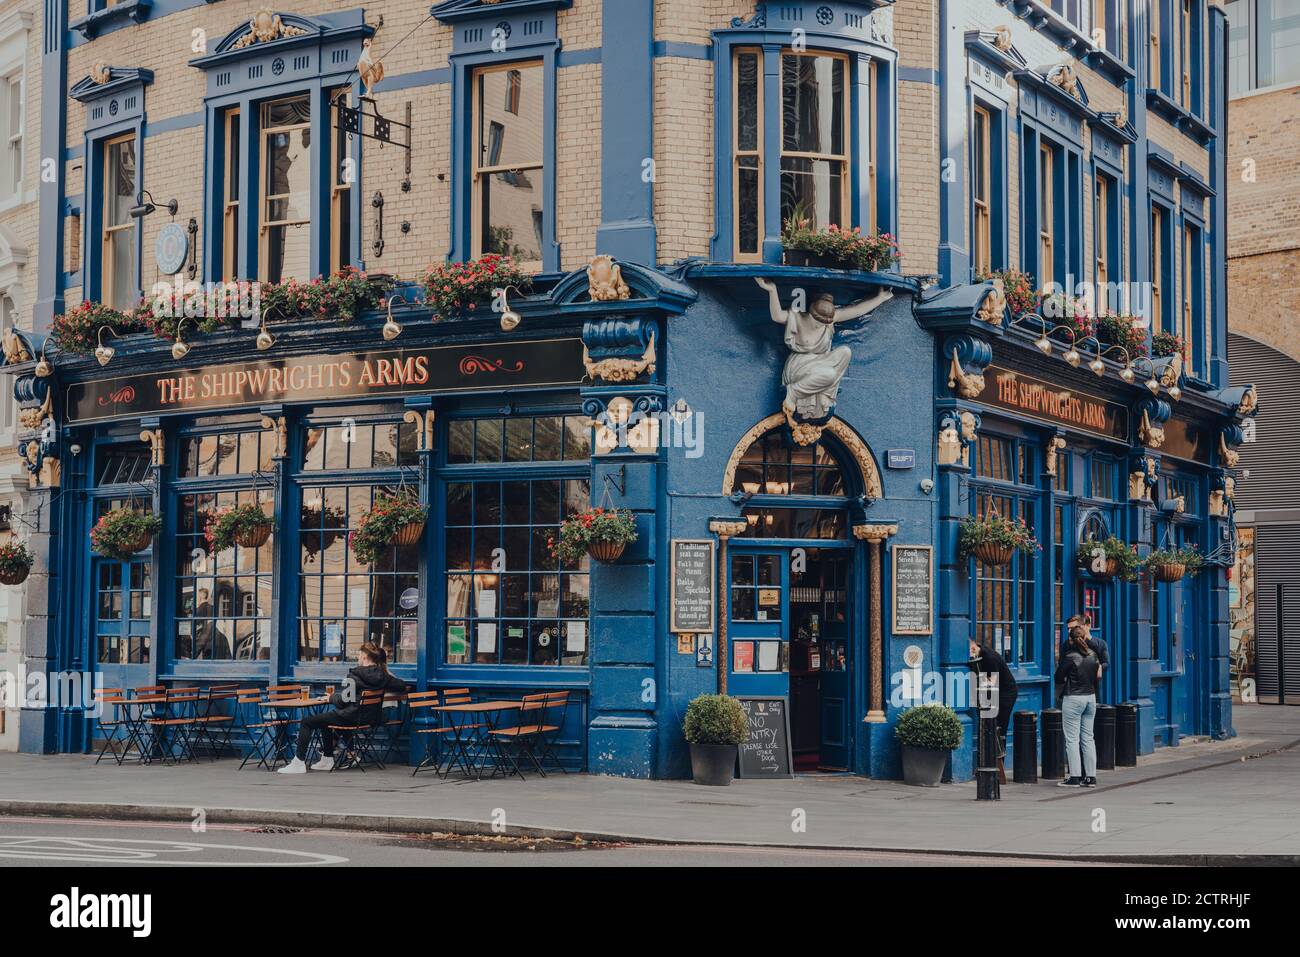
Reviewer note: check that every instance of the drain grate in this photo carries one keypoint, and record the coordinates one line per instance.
(275, 829)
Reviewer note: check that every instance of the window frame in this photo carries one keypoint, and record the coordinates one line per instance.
(757, 153)
(1161, 276)
(15, 142)
(1046, 173)
(265, 198)
(981, 215)
(845, 159)
(232, 146)
(106, 264)
(1251, 24)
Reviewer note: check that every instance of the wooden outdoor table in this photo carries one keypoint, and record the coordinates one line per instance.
(485, 742)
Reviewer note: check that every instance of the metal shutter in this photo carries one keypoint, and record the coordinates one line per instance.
(1274, 457)
(1277, 558)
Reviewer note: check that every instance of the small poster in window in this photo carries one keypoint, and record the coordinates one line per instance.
(769, 653)
(577, 637)
(333, 639)
(743, 656)
(487, 605)
(357, 602)
(407, 641)
(455, 641)
(486, 639)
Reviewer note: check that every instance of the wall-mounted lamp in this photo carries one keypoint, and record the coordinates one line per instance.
(264, 338)
(143, 208)
(103, 353)
(509, 318)
(392, 328)
(180, 348)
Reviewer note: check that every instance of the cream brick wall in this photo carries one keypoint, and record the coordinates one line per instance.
(577, 174)
(21, 217)
(683, 145)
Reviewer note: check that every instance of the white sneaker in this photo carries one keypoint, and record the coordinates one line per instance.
(296, 766)
(325, 763)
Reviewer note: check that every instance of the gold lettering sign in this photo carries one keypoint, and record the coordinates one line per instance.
(1009, 389)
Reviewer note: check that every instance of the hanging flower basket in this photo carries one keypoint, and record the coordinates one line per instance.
(599, 532)
(15, 562)
(1173, 564)
(394, 520)
(994, 540)
(123, 532)
(247, 526)
(1121, 560)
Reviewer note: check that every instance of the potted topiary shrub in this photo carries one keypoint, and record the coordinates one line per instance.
(246, 525)
(394, 520)
(1171, 564)
(1110, 558)
(928, 735)
(994, 539)
(15, 562)
(599, 532)
(122, 532)
(715, 727)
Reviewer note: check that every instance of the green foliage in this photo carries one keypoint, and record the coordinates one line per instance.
(1125, 556)
(933, 726)
(454, 288)
(1186, 555)
(226, 525)
(380, 524)
(77, 330)
(716, 719)
(1018, 288)
(15, 558)
(994, 529)
(122, 532)
(850, 247)
(1123, 330)
(1166, 344)
(582, 529)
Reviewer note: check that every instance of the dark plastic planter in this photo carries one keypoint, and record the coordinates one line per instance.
(713, 764)
(923, 767)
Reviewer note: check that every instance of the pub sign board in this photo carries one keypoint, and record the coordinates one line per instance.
(1049, 402)
(913, 590)
(691, 586)
(363, 375)
(766, 752)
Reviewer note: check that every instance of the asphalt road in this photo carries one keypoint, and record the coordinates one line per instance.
(45, 842)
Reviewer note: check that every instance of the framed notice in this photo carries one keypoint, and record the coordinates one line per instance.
(692, 574)
(913, 589)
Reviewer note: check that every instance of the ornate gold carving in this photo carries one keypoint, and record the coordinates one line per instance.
(1054, 446)
(33, 417)
(874, 533)
(1180, 504)
(617, 369)
(264, 27)
(1002, 38)
(370, 70)
(157, 443)
(281, 426)
(423, 421)
(1249, 402)
(15, 349)
(1217, 505)
(1137, 485)
(994, 305)
(605, 280)
(1229, 456)
(100, 74)
(950, 445)
(804, 433)
(1170, 374)
(967, 384)
(725, 529)
(1065, 78)
(1230, 488)
(871, 484)
(1152, 436)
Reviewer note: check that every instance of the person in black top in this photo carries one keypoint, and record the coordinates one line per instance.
(1096, 643)
(988, 661)
(1078, 670)
(371, 674)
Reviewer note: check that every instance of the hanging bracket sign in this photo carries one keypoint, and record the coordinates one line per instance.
(691, 586)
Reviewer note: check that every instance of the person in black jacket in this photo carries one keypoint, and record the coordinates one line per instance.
(1095, 642)
(1078, 671)
(988, 661)
(370, 674)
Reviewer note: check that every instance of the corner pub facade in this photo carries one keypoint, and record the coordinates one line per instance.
(673, 137)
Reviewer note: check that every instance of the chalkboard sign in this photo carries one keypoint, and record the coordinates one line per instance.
(913, 589)
(766, 753)
(691, 586)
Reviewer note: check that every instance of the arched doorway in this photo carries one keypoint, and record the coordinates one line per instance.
(795, 604)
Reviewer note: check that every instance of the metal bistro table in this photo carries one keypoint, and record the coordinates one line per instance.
(483, 741)
(282, 743)
(133, 716)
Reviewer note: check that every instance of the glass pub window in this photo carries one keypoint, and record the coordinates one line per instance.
(121, 464)
(1105, 475)
(226, 453)
(508, 202)
(814, 139)
(771, 466)
(286, 189)
(1005, 596)
(117, 279)
(344, 602)
(747, 181)
(223, 599)
(542, 438)
(360, 445)
(509, 601)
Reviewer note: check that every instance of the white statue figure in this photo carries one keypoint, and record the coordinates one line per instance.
(815, 365)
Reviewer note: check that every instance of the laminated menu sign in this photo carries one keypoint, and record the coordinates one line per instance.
(913, 589)
(765, 753)
(691, 586)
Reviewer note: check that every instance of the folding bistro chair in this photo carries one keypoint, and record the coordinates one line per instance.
(215, 727)
(534, 735)
(393, 727)
(265, 735)
(174, 731)
(461, 733)
(552, 726)
(118, 729)
(428, 724)
(358, 740)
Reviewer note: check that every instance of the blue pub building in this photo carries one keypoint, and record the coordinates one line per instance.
(816, 429)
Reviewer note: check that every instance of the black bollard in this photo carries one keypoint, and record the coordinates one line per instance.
(1053, 744)
(1104, 737)
(987, 787)
(1126, 736)
(1026, 741)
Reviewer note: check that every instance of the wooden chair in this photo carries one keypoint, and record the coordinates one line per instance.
(266, 735)
(462, 733)
(357, 741)
(215, 727)
(424, 722)
(535, 731)
(115, 724)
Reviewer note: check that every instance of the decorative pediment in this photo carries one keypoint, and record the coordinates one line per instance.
(980, 305)
(94, 23)
(453, 11)
(638, 281)
(268, 32)
(995, 47)
(1113, 124)
(104, 81)
(1061, 83)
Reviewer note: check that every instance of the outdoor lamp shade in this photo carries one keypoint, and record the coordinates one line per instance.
(1044, 345)
(1127, 375)
(509, 319)
(180, 349)
(264, 339)
(1154, 386)
(1097, 366)
(1072, 357)
(392, 329)
(104, 354)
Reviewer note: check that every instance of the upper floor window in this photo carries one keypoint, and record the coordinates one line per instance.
(230, 203)
(1263, 44)
(815, 177)
(1046, 213)
(342, 176)
(118, 284)
(1161, 242)
(286, 189)
(11, 136)
(1192, 312)
(981, 184)
(508, 166)
(1108, 220)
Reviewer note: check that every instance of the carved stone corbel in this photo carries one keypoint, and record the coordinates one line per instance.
(618, 368)
(957, 430)
(157, 442)
(1152, 436)
(605, 280)
(1054, 447)
(281, 426)
(423, 421)
(994, 306)
(1228, 456)
(966, 384)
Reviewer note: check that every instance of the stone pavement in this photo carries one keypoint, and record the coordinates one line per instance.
(1202, 802)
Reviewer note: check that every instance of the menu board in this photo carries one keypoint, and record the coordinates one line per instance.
(766, 752)
(913, 590)
(691, 586)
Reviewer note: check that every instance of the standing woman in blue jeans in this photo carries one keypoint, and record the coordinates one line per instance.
(1077, 671)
